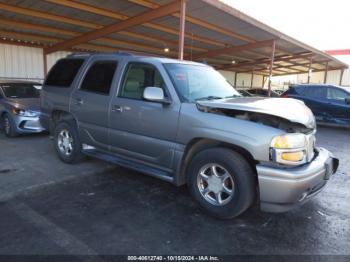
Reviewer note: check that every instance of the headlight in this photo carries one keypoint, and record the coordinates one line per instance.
(22, 112)
(289, 149)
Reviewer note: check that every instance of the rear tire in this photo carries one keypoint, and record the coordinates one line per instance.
(222, 181)
(67, 142)
(8, 126)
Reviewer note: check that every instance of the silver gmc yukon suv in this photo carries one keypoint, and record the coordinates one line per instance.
(182, 122)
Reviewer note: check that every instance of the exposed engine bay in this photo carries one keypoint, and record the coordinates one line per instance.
(261, 118)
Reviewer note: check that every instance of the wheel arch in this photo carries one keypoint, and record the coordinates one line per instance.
(59, 115)
(198, 144)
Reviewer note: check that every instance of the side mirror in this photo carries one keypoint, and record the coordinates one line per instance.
(155, 94)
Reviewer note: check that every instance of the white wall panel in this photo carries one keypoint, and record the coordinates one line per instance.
(243, 79)
(21, 62)
(52, 58)
(230, 76)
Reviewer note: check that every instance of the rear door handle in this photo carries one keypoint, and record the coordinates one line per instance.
(79, 101)
(117, 108)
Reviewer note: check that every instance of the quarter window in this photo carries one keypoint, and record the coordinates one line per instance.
(63, 72)
(137, 77)
(99, 77)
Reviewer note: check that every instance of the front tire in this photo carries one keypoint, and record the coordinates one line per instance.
(222, 181)
(67, 142)
(8, 126)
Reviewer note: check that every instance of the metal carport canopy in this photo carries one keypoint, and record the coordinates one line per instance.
(200, 30)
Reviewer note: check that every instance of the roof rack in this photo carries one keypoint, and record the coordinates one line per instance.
(78, 54)
(123, 53)
(99, 53)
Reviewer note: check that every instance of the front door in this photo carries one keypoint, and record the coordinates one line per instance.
(90, 102)
(140, 129)
(338, 107)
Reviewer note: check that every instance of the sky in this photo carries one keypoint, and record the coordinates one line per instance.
(324, 24)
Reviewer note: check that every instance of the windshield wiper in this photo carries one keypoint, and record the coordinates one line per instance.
(208, 98)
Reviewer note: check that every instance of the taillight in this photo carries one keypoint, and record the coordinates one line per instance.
(284, 96)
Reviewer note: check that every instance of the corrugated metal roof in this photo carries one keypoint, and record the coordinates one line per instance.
(210, 25)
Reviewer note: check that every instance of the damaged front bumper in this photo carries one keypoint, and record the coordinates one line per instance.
(283, 189)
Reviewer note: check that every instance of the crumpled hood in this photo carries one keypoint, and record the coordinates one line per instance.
(287, 108)
(32, 104)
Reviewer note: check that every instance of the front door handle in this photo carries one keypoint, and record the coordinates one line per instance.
(117, 108)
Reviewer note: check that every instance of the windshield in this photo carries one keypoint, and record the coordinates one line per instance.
(346, 88)
(196, 82)
(20, 90)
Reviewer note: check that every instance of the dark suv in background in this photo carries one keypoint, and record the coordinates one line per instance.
(329, 103)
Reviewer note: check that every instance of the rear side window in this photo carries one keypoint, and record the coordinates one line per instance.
(315, 91)
(63, 72)
(98, 78)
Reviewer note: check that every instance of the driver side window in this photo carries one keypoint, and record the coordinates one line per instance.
(336, 94)
(137, 77)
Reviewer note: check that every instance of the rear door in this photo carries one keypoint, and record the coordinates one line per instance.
(315, 97)
(141, 129)
(339, 109)
(90, 101)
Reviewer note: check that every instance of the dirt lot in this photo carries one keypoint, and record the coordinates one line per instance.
(48, 207)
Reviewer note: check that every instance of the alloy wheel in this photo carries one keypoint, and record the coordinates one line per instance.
(215, 184)
(65, 142)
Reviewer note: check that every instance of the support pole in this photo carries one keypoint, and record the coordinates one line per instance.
(252, 79)
(45, 62)
(325, 74)
(182, 29)
(309, 73)
(263, 82)
(341, 77)
(271, 66)
(236, 74)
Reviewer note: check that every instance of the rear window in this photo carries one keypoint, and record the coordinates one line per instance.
(63, 72)
(299, 89)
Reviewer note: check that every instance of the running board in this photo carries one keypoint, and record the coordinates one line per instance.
(155, 172)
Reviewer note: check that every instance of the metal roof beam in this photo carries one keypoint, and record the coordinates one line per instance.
(314, 71)
(42, 28)
(196, 21)
(29, 12)
(115, 15)
(43, 15)
(116, 27)
(281, 58)
(46, 40)
(232, 49)
(106, 40)
(202, 23)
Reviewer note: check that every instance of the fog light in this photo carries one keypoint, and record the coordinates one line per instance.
(293, 156)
